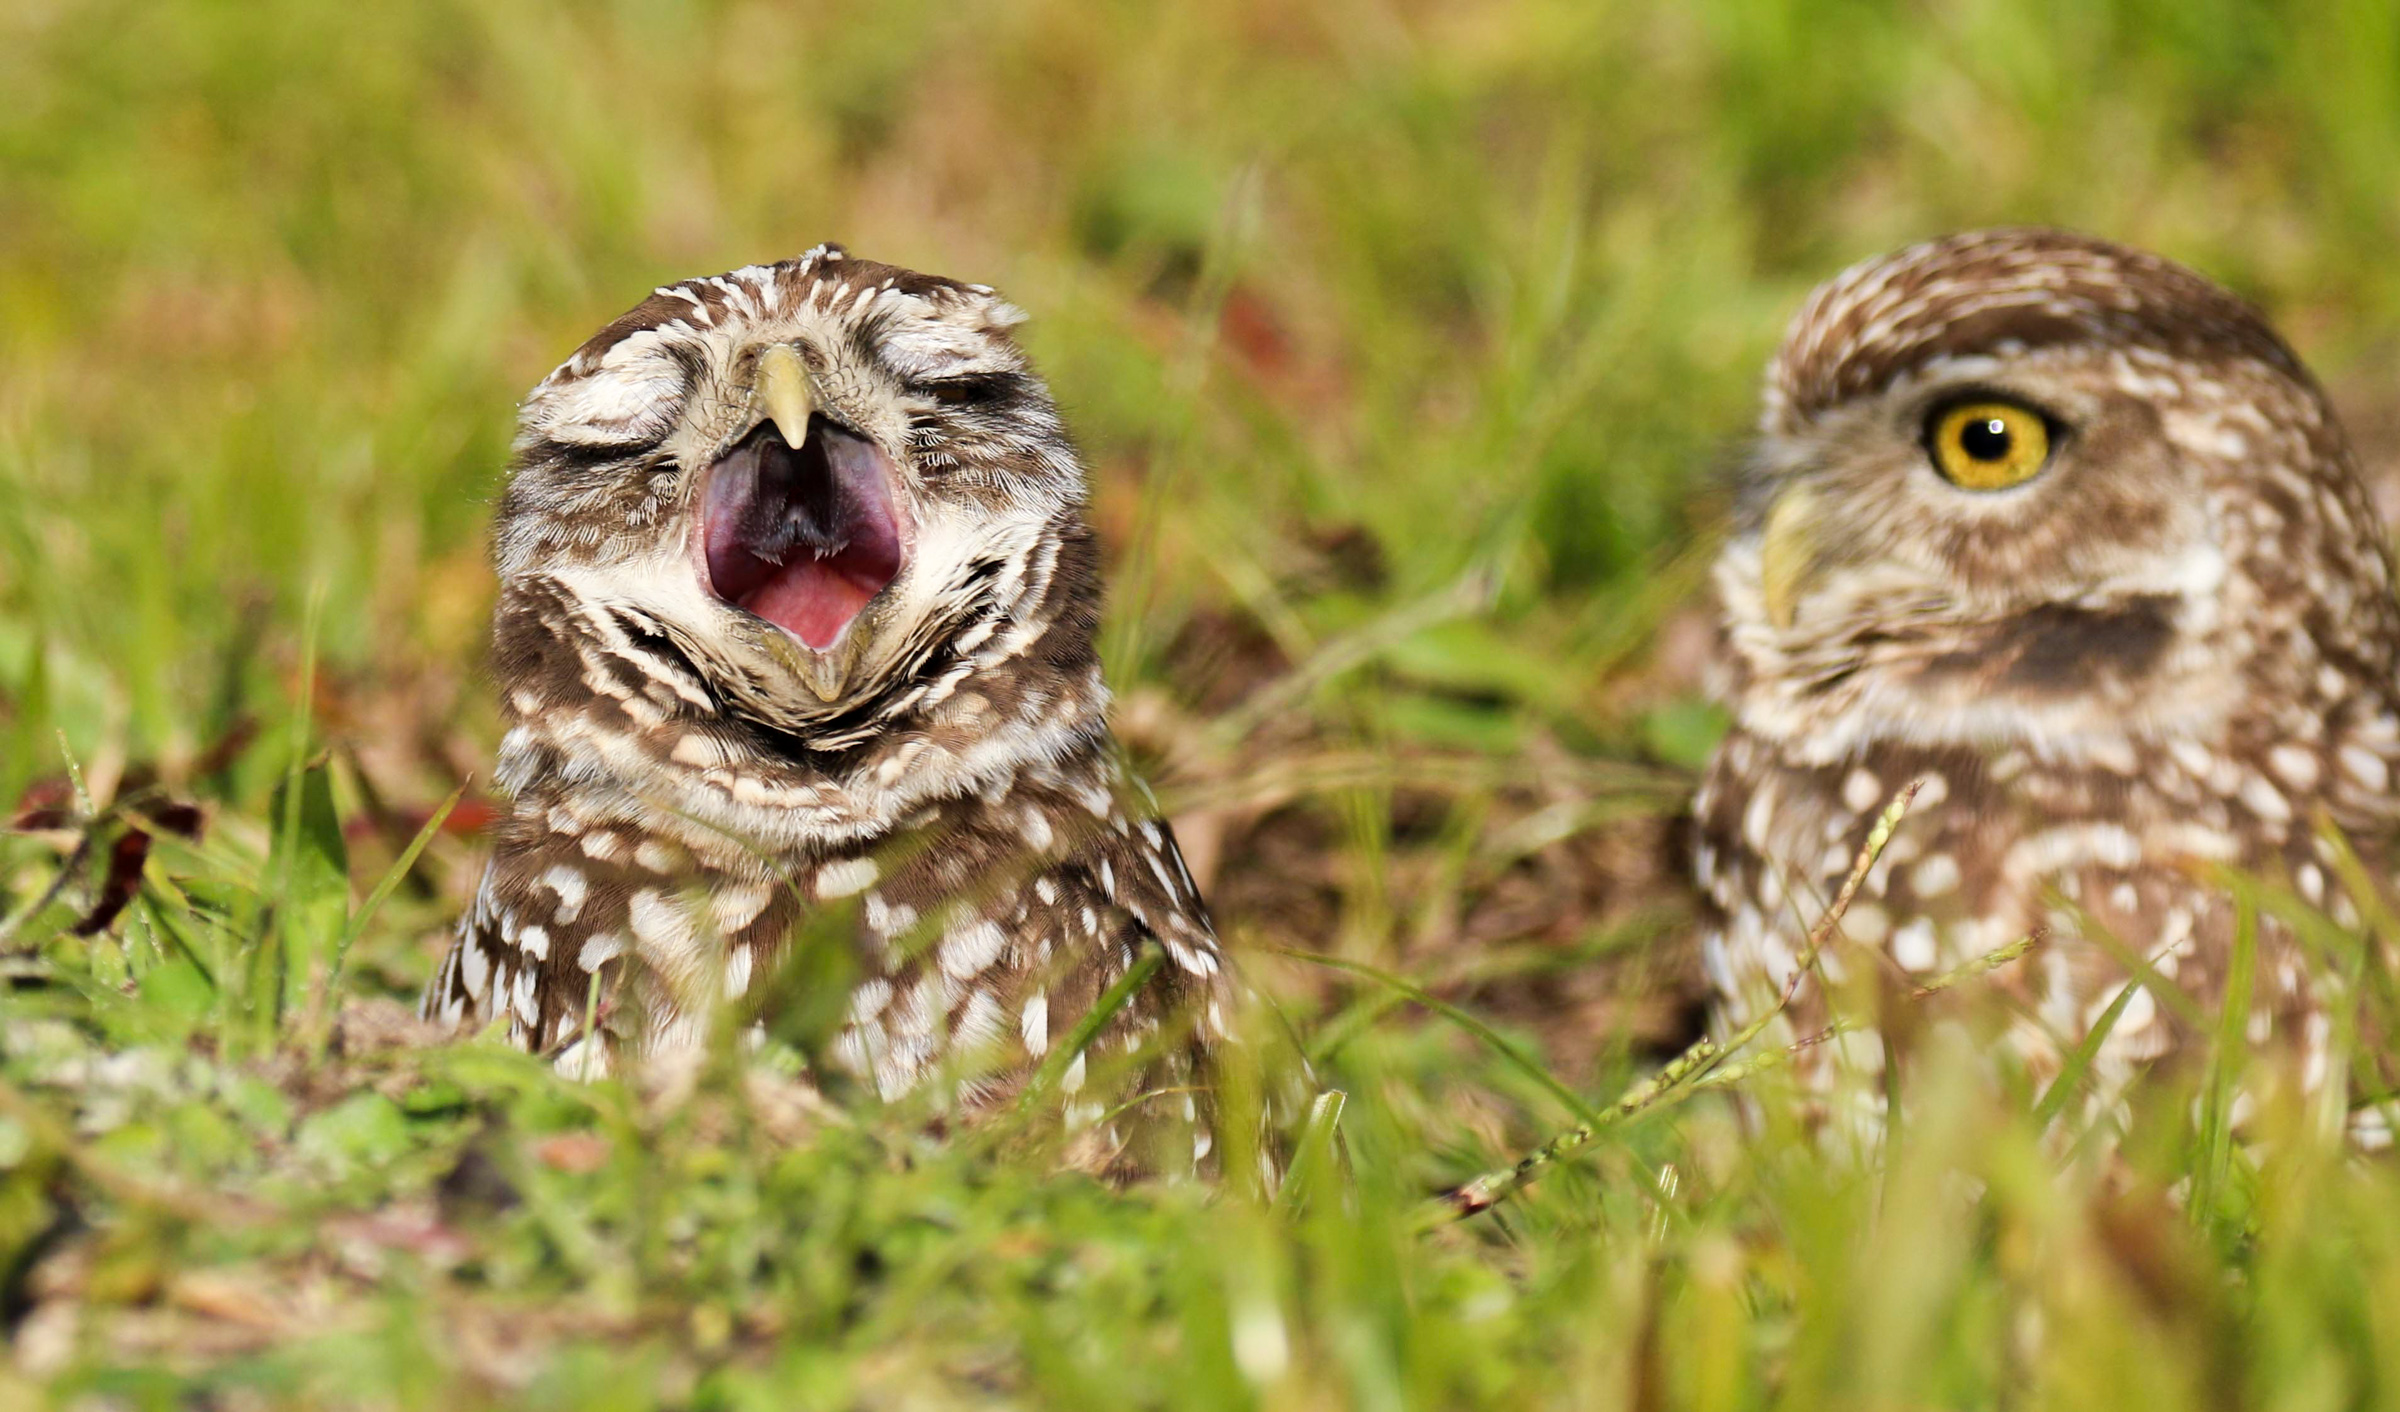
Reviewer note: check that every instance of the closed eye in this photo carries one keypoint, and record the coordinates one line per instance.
(976, 390)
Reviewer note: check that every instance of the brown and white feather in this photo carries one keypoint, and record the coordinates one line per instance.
(2176, 646)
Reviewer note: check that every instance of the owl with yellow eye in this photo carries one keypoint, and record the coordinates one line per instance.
(2066, 532)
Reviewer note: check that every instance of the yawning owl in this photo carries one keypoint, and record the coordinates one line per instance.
(797, 610)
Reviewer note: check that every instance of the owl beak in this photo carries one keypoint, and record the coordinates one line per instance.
(800, 525)
(1789, 556)
(782, 394)
(824, 673)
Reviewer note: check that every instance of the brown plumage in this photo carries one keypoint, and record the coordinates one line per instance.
(797, 611)
(2168, 642)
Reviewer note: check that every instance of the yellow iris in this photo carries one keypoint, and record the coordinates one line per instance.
(1990, 445)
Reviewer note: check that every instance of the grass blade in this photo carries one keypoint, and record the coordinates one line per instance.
(1115, 998)
(329, 1000)
(1688, 1070)
(2079, 1059)
(1317, 1149)
(1516, 1058)
(2225, 1062)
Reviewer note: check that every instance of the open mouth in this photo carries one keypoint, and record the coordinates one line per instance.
(801, 536)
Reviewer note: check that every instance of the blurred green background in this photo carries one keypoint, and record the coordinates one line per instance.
(1408, 343)
(1486, 281)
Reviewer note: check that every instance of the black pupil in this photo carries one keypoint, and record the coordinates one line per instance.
(1985, 439)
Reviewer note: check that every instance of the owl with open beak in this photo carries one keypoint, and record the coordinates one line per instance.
(795, 629)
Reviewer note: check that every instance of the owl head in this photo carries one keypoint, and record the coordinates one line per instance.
(811, 476)
(2023, 485)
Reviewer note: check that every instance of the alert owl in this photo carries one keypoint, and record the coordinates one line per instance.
(796, 613)
(2067, 532)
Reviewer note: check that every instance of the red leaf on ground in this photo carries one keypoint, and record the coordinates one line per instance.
(47, 803)
(125, 859)
(573, 1152)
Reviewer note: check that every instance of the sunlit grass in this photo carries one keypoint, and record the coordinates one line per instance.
(1406, 345)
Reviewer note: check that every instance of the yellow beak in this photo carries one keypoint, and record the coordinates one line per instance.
(826, 673)
(782, 392)
(1789, 556)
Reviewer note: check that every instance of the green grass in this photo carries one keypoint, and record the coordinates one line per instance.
(1406, 343)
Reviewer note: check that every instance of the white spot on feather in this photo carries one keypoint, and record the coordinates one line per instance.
(599, 950)
(968, 951)
(868, 1000)
(2264, 800)
(659, 923)
(1033, 1024)
(2366, 767)
(1935, 876)
(737, 906)
(847, 877)
(569, 883)
(1914, 946)
(981, 1023)
(2294, 766)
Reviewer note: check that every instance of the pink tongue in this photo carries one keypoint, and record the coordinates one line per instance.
(813, 600)
(803, 537)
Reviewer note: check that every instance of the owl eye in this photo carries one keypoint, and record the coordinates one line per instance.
(1988, 444)
(974, 390)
